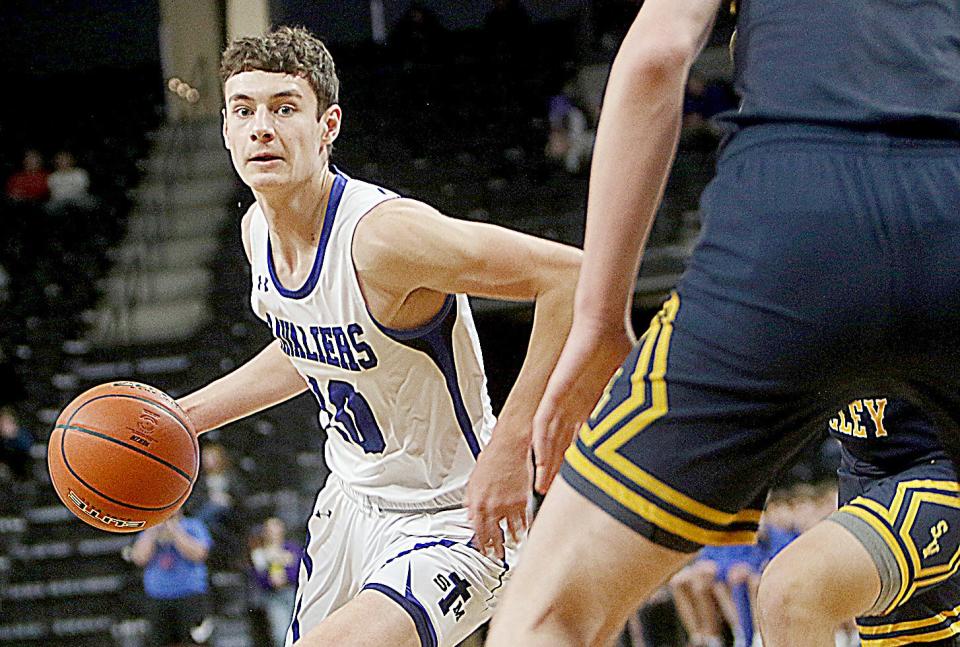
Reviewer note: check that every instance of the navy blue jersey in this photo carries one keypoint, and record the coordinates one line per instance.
(892, 65)
(881, 437)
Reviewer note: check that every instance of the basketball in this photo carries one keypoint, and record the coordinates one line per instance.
(123, 456)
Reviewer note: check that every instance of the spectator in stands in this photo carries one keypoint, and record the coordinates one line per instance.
(214, 491)
(15, 444)
(69, 184)
(29, 184)
(4, 285)
(214, 501)
(720, 586)
(570, 141)
(418, 36)
(735, 587)
(276, 563)
(173, 557)
(691, 588)
(702, 99)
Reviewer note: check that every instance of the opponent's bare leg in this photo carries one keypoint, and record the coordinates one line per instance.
(822, 579)
(581, 575)
(371, 618)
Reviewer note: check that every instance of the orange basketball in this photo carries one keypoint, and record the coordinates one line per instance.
(123, 456)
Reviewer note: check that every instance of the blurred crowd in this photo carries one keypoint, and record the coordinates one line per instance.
(715, 595)
(62, 185)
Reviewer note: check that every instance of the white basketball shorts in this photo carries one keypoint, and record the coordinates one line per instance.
(422, 560)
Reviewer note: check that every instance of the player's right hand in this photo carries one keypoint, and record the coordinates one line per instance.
(498, 490)
(589, 359)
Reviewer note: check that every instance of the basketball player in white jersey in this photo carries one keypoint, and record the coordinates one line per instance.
(364, 293)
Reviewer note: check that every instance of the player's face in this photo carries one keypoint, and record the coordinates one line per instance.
(271, 128)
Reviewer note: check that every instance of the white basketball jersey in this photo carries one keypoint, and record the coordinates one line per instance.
(406, 411)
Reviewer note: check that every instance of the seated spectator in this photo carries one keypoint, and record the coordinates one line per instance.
(29, 184)
(736, 584)
(69, 184)
(214, 500)
(276, 564)
(213, 492)
(610, 21)
(702, 100)
(4, 285)
(692, 594)
(570, 140)
(15, 444)
(173, 558)
(418, 36)
(720, 586)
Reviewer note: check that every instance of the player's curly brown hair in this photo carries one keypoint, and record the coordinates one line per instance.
(291, 50)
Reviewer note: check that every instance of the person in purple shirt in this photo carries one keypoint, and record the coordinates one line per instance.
(173, 557)
(276, 565)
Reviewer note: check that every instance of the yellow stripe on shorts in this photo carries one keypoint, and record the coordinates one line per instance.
(651, 369)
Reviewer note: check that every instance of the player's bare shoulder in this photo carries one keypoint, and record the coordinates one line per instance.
(392, 231)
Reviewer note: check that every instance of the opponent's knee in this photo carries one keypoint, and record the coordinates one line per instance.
(788, 599)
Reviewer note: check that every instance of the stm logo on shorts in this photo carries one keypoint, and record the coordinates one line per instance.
(937, 531)
(105, 519)
(456, 598)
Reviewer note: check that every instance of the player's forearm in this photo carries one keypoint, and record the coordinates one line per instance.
(264, 381)
(636, 143)
(553, 314)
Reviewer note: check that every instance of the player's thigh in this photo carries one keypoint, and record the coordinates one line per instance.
(440, 581)
(582, 573)
(369, 619)
(331, 569)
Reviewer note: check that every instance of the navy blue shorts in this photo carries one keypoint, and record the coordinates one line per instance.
(910, 522)
(828, 269)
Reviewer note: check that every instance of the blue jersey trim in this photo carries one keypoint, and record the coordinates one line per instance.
(295, 624)
(435, 339)
(401, 334)
(333, 203)
(413, 607)
(307, 562)
(445, 543)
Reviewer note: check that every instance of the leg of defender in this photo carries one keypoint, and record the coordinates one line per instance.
(820, 580)
(578, 590)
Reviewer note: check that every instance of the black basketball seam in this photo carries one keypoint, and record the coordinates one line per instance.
(128, 446)
(63, 454)
(172, 413)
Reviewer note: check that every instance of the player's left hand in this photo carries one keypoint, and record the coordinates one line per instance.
(499, 489)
